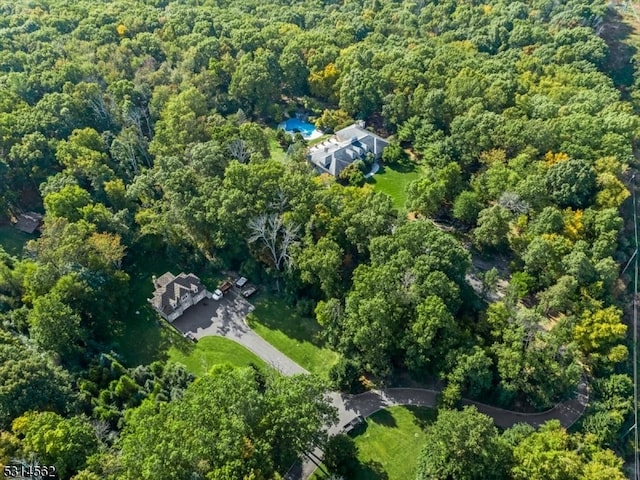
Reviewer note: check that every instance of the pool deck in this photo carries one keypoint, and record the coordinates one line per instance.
(315, 134)
(312, 136)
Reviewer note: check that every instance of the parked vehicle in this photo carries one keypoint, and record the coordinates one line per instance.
(242, 281)
(217, 294)
(249, 291)
(225, 287)
(353, 424)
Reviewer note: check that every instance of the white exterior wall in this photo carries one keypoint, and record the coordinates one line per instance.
(186, 302)
(199, 296)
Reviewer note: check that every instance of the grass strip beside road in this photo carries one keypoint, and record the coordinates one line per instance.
(294, 335)
(209, 351)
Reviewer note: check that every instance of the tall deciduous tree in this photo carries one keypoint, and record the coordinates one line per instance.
(181, 123)
(228, 424)
(83, 155)
(67, 202)
(277, 236)
(493, 227)
(64, 443)
(54, 326)
(462, 445)
(546, 455)
(256, 80)
(599, 334)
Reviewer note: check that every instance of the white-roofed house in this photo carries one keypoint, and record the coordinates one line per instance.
(345, 147)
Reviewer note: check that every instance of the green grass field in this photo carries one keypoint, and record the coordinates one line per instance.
(13, 240)
(276, 151)
(292, 334)
(390, 443)
(393, 181)
(209, 351)
(318, 140)
(145, 337)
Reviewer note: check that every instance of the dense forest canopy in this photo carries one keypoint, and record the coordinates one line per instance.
(146, 129)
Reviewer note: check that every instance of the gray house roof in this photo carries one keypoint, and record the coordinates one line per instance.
(345, 147)
(29, 222)
(170, 289)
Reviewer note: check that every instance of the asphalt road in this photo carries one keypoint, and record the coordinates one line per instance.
(226, 318)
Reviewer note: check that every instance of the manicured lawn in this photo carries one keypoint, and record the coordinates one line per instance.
(292, 334)
(209, 351)
(144, 336)
(276, 151)
(318, 140)
(390, 443)
(13, 240)
(393, 181)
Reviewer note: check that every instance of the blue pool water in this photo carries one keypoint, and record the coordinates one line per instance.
(293, 125)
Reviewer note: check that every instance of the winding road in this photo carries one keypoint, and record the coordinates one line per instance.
(227, 319)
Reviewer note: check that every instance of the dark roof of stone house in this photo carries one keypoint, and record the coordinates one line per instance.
(170, 289)
(29, 222)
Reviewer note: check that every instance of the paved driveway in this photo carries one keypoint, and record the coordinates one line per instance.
(226, 318)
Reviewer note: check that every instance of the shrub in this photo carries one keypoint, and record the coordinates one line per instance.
(341, 456)
(344, 376)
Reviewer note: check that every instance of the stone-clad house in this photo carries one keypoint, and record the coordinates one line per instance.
(173, 295)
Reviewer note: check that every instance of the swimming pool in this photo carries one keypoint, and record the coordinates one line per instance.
(307, 130)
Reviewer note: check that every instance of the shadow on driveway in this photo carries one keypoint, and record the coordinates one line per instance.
(224, 317)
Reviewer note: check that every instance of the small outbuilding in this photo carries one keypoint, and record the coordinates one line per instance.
(29, 222)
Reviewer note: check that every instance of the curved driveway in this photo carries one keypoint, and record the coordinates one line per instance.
(368, 403)
(226, 318)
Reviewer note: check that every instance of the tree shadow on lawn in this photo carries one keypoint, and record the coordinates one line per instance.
(359, 430)
(370, 470)
(385, 418)
(423, 417)
(275, 314)
(144, 339)
(401, 167)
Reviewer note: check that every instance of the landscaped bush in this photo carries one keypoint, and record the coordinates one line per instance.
(352, 175)
(344, 376)
(394, 154)
(341, 456)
